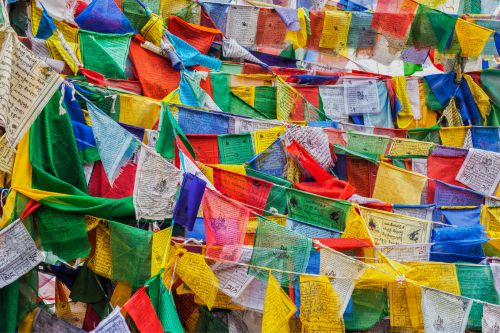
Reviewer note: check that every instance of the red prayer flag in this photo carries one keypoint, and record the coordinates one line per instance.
(393, 18)
(332, 188)
(155, 73)
(141, 310)
(308, 162)
(248, 190)
(206, 147)
(200, 37)
(225, 225)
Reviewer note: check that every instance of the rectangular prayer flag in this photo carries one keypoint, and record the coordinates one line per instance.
(398, 186)
(225, 225)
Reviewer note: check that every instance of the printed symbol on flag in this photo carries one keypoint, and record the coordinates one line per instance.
(293, 202)
(160, 187)
(334, 216)
(282, 253)
(439, 324)
(372, 225)
(219, 223)
(414, 235)
(496, 328)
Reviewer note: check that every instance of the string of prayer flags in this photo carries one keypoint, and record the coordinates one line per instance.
(278, 248)
(278, 308)
(225, 225)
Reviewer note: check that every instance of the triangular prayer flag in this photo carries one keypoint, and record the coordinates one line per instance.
(116, 145)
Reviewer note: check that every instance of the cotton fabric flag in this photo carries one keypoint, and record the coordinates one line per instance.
(398, 186)
(285, 250)
(225, 225)
(444, 312)
(319, 305)
(141, 310)
(156, 184)
(278, 308)
(472, 37)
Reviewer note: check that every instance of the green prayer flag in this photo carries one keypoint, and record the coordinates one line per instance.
(164, 305)
(320, 211)
(476, 282)
(105, 53)
(279, 248)
(235, 148)
(131, 253)
(431, 28)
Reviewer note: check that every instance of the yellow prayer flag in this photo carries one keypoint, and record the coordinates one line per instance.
(405, 300)
(389, 228)
(26, 325)
(452, 115)
(453, 136)
(160, 241)
(121, 294)
(286, 98)
(222, 301)
(398, 186)
(409, 147)
(153, 30)
(139, 111)
(238, 80)
(319, 305)
(264, 138)
(405, 115)
(278, 308)
(298, 38)
(335, 29)
(72, 40)
(246, 93)
(480, 97)
(472, 37)
(171, 7)
(71, 312)
(195, 272)
(101, 262)
(236, 168)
